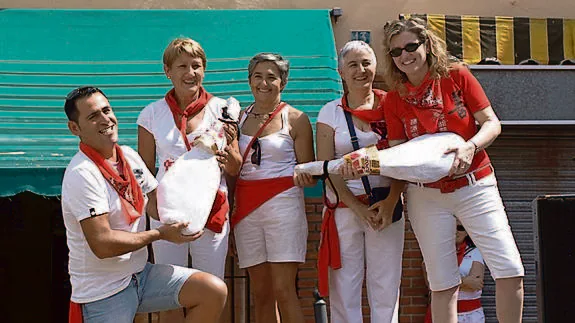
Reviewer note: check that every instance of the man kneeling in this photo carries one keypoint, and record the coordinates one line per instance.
(105, 191)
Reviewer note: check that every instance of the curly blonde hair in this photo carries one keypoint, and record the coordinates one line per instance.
(438, 59)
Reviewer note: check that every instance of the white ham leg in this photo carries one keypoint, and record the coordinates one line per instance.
(421, 160)
(187, 191)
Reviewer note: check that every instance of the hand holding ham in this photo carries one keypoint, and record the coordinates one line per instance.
(347, 171)
(173, 233)
(303, 180)
(231, 131)
(222, 157)
(463, 157)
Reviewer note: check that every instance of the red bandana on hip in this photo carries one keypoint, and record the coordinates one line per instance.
(191, 109)
(369, 116)
(426, 101)
(124, 183)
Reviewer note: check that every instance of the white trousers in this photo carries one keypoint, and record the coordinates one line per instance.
(365, 252)
(479, 208)
(208, 253)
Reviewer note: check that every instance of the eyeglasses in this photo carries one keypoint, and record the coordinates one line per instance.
(256, 157)
(411, 47)
(460, 228)
(82, 91)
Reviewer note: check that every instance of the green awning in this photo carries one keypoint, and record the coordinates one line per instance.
(46, 53)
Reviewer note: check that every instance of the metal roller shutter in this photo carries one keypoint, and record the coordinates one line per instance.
(529, 161)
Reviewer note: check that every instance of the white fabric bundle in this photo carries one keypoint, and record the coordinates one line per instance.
(420, 160)
(187, 191)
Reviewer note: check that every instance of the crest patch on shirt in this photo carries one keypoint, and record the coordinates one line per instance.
(92, 212)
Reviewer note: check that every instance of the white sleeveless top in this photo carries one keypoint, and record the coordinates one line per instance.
(332, 115)
(277, 152)
(157, 118)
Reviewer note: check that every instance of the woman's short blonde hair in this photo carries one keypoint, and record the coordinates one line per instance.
(437, 58)
(182, 45)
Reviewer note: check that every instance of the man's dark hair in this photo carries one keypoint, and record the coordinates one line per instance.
(70, 106)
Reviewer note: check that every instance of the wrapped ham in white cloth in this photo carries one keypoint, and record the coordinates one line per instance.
(420, 160)
(187, 191)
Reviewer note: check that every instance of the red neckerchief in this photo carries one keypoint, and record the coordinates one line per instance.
(191, 109)
(124, 183)
(369, 116)
(461, 252)
(426, 102)
(375, 117)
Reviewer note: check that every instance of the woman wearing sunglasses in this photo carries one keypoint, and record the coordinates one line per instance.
(165, 130)
(430, 94)
(269, 220)
(359, 240)
(471, 269)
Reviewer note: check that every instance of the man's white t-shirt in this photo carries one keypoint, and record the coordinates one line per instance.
(86, 193)
(332, 115)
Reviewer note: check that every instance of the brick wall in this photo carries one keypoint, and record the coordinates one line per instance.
(413, 297)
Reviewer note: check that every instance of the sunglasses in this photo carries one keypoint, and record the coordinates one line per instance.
(411, 47)
(460, 228)
(256, 157)
(81, 92)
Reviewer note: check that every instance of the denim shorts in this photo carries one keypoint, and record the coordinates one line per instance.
(156, 288)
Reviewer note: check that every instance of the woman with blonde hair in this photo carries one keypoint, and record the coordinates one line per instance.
(165, 130)
(429, 93)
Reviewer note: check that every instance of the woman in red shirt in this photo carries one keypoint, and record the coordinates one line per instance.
(430, 93)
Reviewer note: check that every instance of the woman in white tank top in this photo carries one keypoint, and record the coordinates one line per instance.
(358, 240)
(269, 220)
(165, 130)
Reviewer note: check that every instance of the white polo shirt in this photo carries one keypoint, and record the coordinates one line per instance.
(86, 193)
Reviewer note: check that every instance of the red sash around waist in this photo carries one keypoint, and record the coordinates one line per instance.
(329, 254)
(219, 212)
(75, 313)
(252, 194)
(468, 305)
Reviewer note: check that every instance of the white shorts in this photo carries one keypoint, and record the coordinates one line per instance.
(480, 209)
(475, 316)
(274, 232)
(208, 253)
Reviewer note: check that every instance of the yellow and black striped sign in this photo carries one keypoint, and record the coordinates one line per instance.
(509, 39)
